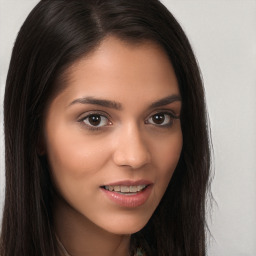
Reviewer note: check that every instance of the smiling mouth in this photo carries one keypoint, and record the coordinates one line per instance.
(127, 190)
(128, 193)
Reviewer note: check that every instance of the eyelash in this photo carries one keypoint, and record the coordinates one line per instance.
(93, 114)
(107, 119)
(170, 115)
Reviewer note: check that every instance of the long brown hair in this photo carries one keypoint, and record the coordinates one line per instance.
(55, 34)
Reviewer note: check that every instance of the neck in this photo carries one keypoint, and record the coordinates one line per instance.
(81, 237)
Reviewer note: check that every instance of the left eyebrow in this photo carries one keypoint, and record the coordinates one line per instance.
(165, 101)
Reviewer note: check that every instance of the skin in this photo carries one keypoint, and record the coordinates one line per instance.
(127, 145)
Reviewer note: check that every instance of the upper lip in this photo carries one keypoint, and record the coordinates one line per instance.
(129, 183)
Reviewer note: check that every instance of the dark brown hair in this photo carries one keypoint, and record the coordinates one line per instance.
(56, 34)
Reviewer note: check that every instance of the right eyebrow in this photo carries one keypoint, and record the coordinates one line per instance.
(95, 101)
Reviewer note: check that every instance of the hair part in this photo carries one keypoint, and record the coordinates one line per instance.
(55, 35)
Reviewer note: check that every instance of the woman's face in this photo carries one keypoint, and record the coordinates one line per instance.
(113, 136)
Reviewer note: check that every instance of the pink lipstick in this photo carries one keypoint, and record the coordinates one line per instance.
(128, 193)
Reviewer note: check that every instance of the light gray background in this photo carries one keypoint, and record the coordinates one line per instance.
(223, 35)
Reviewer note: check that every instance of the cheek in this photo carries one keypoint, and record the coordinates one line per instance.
(76, 167)
(170, 153)
(73, 157)
(166, 157)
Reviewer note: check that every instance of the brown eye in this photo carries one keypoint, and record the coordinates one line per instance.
(96, 120)
(158, 118)
(161, 119)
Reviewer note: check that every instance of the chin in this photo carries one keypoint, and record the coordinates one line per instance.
(126, 226)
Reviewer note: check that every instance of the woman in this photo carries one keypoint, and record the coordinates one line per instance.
(107, 149)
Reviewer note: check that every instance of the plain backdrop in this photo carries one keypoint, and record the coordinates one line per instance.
(223, 36)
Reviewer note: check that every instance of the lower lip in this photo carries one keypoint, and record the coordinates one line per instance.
(129, 201)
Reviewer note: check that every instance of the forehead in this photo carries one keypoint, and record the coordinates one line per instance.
(117, 69)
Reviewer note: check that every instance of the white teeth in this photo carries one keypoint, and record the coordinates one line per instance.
(125, 189)
(140, 187)
(133, 188)
(117, 188)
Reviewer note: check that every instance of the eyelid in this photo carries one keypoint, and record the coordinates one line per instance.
(164, 111)
(93, 112)
(85, 115)
(168, 112)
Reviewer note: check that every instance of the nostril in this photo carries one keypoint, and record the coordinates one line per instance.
(133, 159)
(131, 149)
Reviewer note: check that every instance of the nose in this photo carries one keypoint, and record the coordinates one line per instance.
(131, 150)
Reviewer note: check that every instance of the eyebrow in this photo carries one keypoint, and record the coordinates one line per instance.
(165, 101)
(100, 102)
(118, 106)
